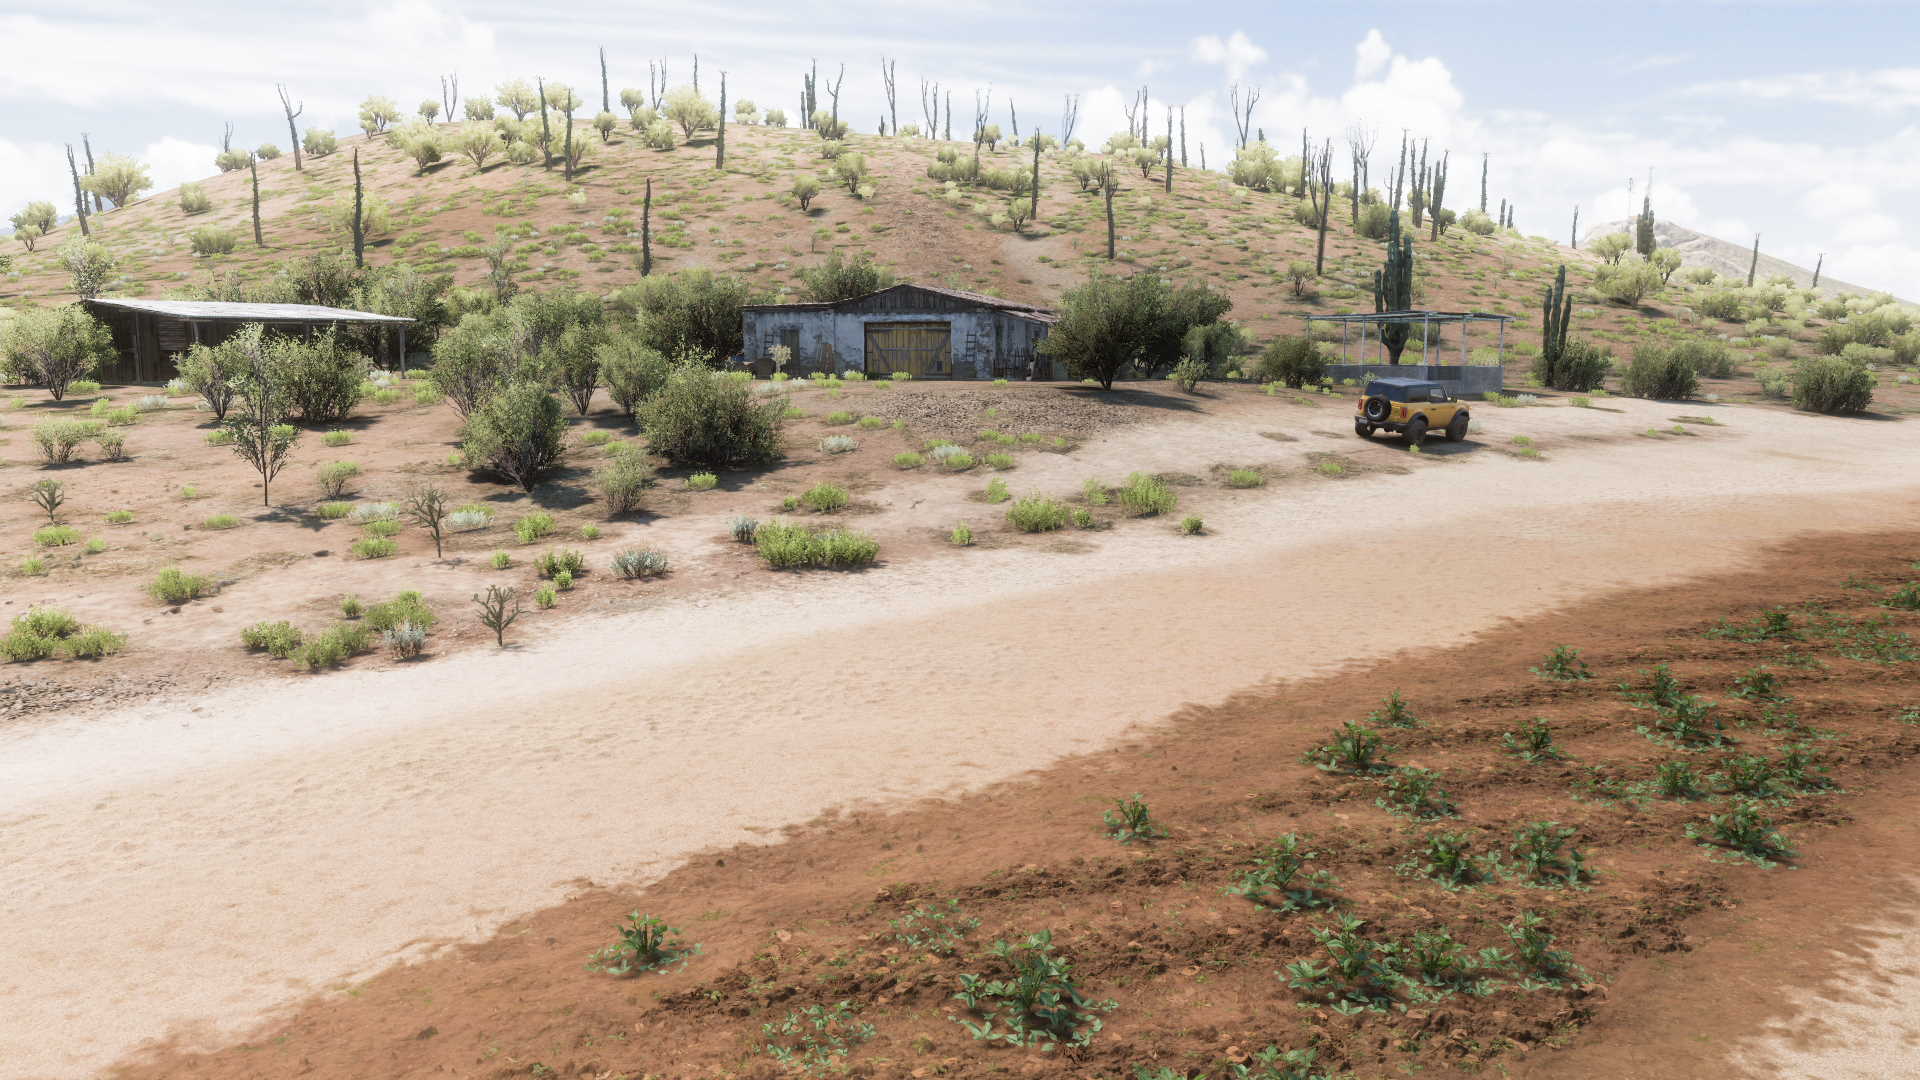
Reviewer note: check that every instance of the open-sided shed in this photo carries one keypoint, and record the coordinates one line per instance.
(150, 335)
(926, 331)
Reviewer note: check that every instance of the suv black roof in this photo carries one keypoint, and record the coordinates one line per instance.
(1401, 382)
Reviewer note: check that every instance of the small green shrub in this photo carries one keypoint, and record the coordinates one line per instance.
(373, 547)
(1745, 831)
(1130, 820)
(1192, 526)
(501, 560)
(1355, 748)
(1545, 855)
(743, 529)
(1280, 877)
(825, 498)
(1144, 495)
(120, 517)
(1245, 478)
(908, 460)
(276, 639)
(1534, 742)
(705, 481)
(334, 477)
(1036, 514)
(634, 563)
(1563, 665)
(407, 607)
(837, 418)
(337, 438)
(56, 535)
(351, 607)
(559, 561)
(1832, 385)
(787, 546)
(839, 444)
(533, 526)
(220, 521)
(1415, 793)
(1660, 373)
(545, 597)
(175, 586)
(646, 943)
(996, 491)
(999, 461)
(961, 536)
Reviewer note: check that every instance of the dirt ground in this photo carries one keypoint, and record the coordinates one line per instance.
(272, 837)
(1666, 928)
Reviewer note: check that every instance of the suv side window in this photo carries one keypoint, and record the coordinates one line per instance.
(1436, 394)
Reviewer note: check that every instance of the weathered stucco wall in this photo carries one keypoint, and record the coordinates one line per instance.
(983, 344)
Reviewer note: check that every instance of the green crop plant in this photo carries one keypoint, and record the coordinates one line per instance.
(816, 1039)
(1281, 878)
(1676, 780)
(1448, 860)
(1355, 748)
(533, 526)
(1545, 855)
(1745, 831)
(1394, 713)
(1689, 722)
(1357, 974)
(646, 943)
(1563, 664)
(1034, 1001)
(1130, 820)
(1533, 743)
(1757, 684)
(1415, 793)
(1772, 624)
(939, 930)
(996, 491)
(1661, 690)
(1245, 478)
(1747, 774)
(1533, 949)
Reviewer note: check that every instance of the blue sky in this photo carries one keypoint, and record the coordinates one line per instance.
(1797, 121)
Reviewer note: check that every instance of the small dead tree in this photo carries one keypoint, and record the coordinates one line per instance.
(450, 90)
(980, 107)
(86, 144)
(1241, 106)
(1319, 171)
(1360, 141)
(293, 113)
(253, 166)
(834, 91)
(428, 507)
(79, 194)
(499, 606)
(1069, 116)
(359, 214)
(887, 76)
(930, 107)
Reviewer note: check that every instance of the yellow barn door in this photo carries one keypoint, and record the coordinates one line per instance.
(923, 350)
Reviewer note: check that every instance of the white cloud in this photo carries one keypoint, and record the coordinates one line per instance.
(1884, 90)
(1237, 53)
(31, 171)
(1371, 55)
(172, 162)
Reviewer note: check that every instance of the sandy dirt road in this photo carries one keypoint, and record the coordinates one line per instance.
(187, 865)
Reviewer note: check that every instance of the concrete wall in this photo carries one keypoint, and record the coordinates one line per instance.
(1465, 380)
(838, 340)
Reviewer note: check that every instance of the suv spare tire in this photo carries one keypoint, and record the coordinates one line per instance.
(1377, 408)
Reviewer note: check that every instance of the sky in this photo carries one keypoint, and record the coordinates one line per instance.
(1796, 121)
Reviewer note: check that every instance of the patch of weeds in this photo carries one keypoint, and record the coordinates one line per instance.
(826, 498)
(1757, 684)
(646, 943)
(937, 930)
(816, 1039)
(1358, 973)
(500, 560)
(120, 517)
(1661, 690)
(785, 546)
(1281, 879)
(1677, 779)
(743, 529)
(1355, 749)
(1083, 518)
(1192, 526)
(1533, 952)
(1904, 598)
(1563, 664)
(333, 511)
(1871, 641)
(997, 491)
(1130, 820)
(56, 535)
(1245, 478)
(961, 536)
(559, 561)
(1035, 514)
(1094, 492)
(908, 460)
(1416, 794)
(1001, 461)
(1034, 1002)
(373, 547)
(276, 639)
(1690, 722)
(337, 438)
(1773, 624)
(703, 481)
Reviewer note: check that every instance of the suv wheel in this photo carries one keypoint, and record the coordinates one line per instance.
(1416, 431)
(1363, 429)
(1457, 428)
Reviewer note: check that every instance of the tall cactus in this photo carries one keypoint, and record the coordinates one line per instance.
(1556, 317)
(1393, 287)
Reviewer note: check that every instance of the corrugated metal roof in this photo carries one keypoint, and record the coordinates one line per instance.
(980, 299)
(222, 311)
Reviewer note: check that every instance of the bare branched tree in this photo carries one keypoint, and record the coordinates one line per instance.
(450, 89)
(930, 107)
(1241, 105)
(86, 144)
(79, 196)
(1069, 116)
(1319, 172)
(887, 69)
(293, 113)
(834, 90)
(1360, 139)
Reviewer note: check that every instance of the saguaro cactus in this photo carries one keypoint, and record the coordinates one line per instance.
(1393, 287)
(1555, 317)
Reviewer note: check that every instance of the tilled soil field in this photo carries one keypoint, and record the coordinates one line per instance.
(855, 944)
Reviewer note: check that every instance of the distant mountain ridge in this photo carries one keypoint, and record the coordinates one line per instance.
(1729, 260)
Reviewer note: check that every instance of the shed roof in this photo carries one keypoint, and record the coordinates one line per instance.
(962, 295)
(223, 311)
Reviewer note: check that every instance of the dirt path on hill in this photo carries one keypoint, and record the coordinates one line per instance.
(184, 867)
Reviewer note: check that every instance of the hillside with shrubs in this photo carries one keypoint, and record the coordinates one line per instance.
(456, 217)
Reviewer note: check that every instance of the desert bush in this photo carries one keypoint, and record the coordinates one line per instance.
(1192, 526)
(175, 586)
(634, 563)
(533, 526)
(623, 480)
(333, 647)
(1724, 304)
(518, 433)
(1144, 495)
(1036, 514)
(1245, 478)
(333, 511)
(406, 607)
(1657, 372)
(373, 547)
(1628, 283)
(194, 199)
(60, 439)
(1563, 664)
(908, 460)
(276, 639)
(1295, 361)
(219, 522)
(701, 417)
(702, 481)
(1830, 384)
(787, 546)
(56, 535)
(210, 371)
(960, 536)
(213, 240)
(1375, 221)
(826, 498)
(321, 376)
(1581, 366)
(1710, 359)
(48, 494)
(54, 348)
(1477, 222)
(319, 142)
(632, 370)
(334, 477)
(558, 561)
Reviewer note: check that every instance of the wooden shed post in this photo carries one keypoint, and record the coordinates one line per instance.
(401, 330)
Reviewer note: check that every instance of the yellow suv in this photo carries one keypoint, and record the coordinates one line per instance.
(1412, 407)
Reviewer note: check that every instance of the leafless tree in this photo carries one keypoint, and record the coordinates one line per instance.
(1013, 118)
(834, 91)
(887, 68)
(86, 144)
(79, 196)
(1241, 106)
(1069, 116)
(1360, 141)
(1320, 189)
(450, 88)
(293, 113)
(981, 105)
